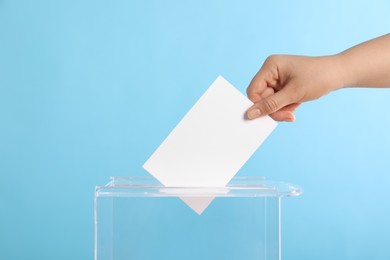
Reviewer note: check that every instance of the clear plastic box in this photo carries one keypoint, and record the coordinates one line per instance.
(137, 218)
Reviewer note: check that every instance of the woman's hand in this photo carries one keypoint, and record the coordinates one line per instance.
(285, 81)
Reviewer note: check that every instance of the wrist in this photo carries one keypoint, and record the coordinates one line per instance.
(342, 78)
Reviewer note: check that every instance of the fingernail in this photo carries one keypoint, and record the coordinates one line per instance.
(254, 113)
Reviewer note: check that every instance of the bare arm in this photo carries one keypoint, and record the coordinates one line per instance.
(285, 81)
(367, 64)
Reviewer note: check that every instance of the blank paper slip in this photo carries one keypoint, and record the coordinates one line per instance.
(210, 144)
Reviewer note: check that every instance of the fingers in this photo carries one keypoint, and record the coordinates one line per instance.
(267, 92)
(286, 113)
(270, 94)
(271, 104)
(285, 116)
(264, 81)
(256, 89)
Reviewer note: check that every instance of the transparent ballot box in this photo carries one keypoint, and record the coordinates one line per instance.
(137, 218)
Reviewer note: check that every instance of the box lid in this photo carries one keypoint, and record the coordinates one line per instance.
(139, 186)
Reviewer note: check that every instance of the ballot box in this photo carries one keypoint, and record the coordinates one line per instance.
(137, 218)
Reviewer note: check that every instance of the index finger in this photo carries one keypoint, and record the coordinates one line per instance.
(264, 78)
(256, 88)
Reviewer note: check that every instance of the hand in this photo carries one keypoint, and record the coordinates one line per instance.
(285, 81)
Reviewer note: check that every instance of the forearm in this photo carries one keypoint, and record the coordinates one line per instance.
(366, 64)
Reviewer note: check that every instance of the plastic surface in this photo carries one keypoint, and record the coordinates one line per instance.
(138, 218)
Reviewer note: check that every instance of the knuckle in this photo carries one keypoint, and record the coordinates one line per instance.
(270, 105)
(272, 59)
(252, 95)
(252, 90)
(249, 91)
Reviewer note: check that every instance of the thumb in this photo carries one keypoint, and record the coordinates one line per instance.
(271, 104)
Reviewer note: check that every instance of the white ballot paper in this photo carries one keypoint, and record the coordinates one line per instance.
(210, 144)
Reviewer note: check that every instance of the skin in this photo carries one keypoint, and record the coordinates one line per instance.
(286, 81)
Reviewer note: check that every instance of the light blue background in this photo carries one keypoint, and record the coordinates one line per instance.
(88, 89)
